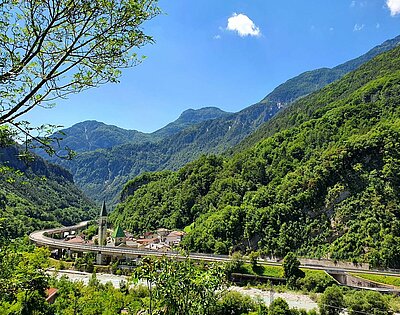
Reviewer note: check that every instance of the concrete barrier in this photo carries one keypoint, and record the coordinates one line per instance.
(330, 263)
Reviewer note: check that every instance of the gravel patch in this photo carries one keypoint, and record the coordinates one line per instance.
(295, 300)
(85, 277)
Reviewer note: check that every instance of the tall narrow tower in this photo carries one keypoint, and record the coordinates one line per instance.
(102, 224)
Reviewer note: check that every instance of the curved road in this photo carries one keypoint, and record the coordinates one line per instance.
(40, 239)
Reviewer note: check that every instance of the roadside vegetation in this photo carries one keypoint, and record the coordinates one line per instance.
(323, 182)
(389, 280)
(162, 286)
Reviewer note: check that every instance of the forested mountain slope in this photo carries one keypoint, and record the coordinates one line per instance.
(92, 135)
(36, 195)
(307, 83)
(314, 80)
(188, 118)
(101, 173)
(107, 156)
(326, 184)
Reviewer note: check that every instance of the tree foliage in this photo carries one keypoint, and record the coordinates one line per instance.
(181, 287)
(323, 184)
(331, 302)
(49, 49)
(22, 280)
(234, 303)
(291, 268)
(36, 195)
(279, 307)
(367, 302)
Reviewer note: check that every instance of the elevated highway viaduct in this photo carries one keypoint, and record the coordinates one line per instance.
(41, 238)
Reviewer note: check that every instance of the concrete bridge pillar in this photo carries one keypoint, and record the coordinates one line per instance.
(99, 258)
(80, 229)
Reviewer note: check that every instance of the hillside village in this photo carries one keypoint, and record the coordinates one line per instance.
(162, 239)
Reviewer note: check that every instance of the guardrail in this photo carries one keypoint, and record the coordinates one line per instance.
(39, 238)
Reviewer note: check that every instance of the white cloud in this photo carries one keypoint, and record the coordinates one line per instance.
(353, 4)
(243, 25)
(378, 26)
(394, 6)
(358, 27)
(217, 37)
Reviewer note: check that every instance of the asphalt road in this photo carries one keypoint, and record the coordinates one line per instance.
(40, 239)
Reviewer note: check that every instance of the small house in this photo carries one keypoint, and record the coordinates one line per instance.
(143, 242)
(158, 247)
(51, 294)
(174, 238)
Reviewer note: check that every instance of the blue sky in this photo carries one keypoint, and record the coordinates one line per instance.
(228, 54)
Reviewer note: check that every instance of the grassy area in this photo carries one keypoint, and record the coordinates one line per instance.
(310, 272)
(276, 271)
(390, 280)
(267, 271)
(60, 264)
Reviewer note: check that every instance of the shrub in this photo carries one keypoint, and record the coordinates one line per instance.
(235, 303)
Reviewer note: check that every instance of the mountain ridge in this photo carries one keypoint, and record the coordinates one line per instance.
(324, 183)
(310, 81)
(191, 117)
(102, 172)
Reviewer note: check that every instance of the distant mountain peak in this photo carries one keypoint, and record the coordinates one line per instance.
(191, 117)
(89, 123)
(108, 156)
(201, 114)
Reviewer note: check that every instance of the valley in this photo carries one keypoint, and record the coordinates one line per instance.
(113, 155)
(289, 206)
(316, 186)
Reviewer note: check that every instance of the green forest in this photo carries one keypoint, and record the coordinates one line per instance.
(324, 181)
(311, 171)
(35, 194)
(108, 156)
(163, 286)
